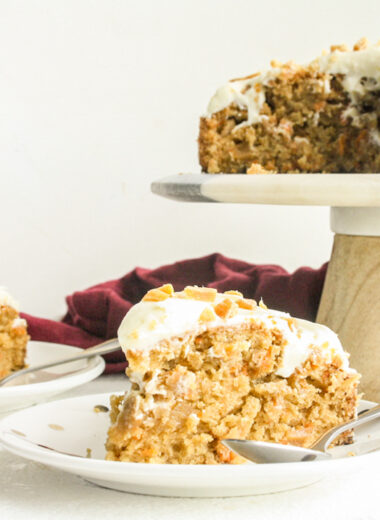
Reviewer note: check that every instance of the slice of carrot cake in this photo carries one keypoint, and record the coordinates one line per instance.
(206, 366)
(320, 117)
(13, 335)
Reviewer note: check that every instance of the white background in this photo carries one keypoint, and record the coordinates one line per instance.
(99, 98)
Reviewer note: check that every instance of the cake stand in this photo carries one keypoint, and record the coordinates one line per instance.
(350, 302)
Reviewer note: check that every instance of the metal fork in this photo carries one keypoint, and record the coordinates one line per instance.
(270, 452)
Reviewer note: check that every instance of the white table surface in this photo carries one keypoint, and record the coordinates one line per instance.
(34, 491)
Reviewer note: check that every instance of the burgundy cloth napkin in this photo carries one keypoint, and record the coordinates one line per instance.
(95, 314)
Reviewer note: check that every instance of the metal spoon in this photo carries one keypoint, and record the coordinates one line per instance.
(270, 452)
(106, 347)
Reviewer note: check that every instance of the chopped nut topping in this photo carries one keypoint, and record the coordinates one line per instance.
(167, 288)
(159, 294)
(226, 308)
(342, 48)
(204, 294)
(361, 44)
(181, 295)
(207, 315)
(276, 64)
(234, 293)
(245, 303)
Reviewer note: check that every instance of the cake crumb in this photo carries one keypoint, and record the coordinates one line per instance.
(100, 408)
(56, 427)
(17, 432)
(257, 168)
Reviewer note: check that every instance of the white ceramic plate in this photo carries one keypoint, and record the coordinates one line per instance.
(60, 434)
(43, 385)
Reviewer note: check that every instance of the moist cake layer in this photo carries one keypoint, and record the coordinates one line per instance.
(207, 366)
(321, 117)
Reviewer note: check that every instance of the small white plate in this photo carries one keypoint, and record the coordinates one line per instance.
(61, 434)
(43, 385)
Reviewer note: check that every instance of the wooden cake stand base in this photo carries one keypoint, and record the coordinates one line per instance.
(350, 303)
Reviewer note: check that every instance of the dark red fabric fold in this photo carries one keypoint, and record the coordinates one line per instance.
(95, 314)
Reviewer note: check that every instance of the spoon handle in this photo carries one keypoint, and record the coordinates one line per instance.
(325, 440)
(106, 347)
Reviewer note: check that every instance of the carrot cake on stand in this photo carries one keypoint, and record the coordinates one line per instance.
(206, 366)
(321, 117)
(13, 335)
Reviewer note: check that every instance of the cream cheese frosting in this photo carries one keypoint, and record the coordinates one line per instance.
(354, 65)
(150, 322)
(7, 300)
